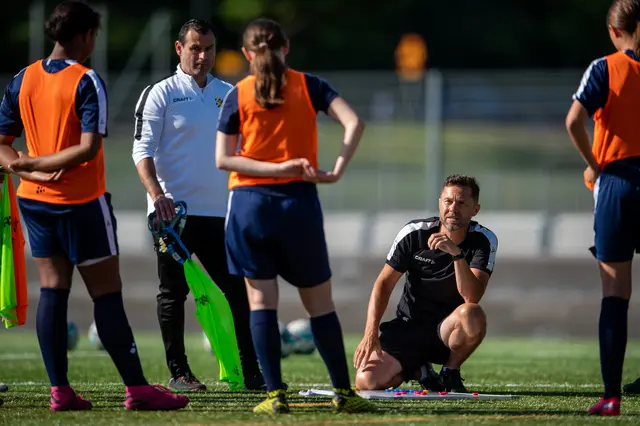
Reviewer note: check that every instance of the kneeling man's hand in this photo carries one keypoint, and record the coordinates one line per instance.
(441, 241)
(369, 344)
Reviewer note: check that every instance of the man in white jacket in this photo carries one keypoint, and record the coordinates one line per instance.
(174, 153)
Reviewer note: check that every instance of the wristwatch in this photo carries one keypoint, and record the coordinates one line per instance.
(458, 256)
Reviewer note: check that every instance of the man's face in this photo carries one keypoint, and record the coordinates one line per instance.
(197, 54)
(457, 207)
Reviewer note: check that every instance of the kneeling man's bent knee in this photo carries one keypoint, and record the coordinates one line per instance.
(379, 373)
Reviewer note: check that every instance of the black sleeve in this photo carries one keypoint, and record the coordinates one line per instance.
(400, 254)
(484, 255)
(320, 92)
(229, 116)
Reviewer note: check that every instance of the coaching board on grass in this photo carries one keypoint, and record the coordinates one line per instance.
(410, 394)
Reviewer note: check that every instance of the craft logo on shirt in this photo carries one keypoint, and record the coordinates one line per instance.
(184, 99)
(218, 101)
(424, 259)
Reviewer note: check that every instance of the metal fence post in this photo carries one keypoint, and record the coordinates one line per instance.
(434, 144)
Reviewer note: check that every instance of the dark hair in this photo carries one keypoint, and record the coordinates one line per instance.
(70, 19)
(265, 37)
(465, 181)
(200, 26)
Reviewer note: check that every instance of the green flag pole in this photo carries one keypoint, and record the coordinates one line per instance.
(8, 296)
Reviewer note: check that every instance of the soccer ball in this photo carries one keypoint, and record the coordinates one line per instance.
(94, 339)
(72, 336)
(300, 331)
(286, 340)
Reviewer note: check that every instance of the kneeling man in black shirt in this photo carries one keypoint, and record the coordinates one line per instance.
(448, 261)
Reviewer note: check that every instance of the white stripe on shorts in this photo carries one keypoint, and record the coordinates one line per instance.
(226, 218)
(108, 224)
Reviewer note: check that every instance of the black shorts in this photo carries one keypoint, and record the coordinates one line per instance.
(413, 344)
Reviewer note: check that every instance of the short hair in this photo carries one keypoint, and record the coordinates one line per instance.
(69, 19)
(465, 181)
(200, 26)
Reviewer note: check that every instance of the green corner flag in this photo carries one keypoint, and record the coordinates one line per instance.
(14, 297)
(8, 297)
(214, 315)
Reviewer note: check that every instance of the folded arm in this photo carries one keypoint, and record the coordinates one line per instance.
(67, 158)
(226, 159)
(471, 282)
(8, 155)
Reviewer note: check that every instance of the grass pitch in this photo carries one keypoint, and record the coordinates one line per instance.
(557, 381)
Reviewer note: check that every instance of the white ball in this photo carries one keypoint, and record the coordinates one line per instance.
(94, 339)
(300, 331)
(72, 336)
(286, 341)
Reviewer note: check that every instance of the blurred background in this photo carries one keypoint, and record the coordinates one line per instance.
(471, 87)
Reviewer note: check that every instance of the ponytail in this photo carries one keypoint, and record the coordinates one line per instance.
(269, 71)
(266, 40)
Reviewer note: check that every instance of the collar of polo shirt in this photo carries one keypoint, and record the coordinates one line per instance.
(192, 80)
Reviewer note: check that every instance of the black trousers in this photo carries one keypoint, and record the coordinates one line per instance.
(204, 237)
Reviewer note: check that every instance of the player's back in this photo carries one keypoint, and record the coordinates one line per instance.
(49, 95)
(615, 135)
(278, 134)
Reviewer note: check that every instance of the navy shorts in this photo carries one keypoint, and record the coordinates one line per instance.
(617, 212)
(81, 232)
(269, 235)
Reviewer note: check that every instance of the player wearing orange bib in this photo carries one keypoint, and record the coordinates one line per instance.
(610, 93)
(61, 106)
(274, 219)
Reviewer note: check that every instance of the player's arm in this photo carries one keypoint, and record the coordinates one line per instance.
(8, 155)
(226, 159)
(353, 126)
(576, 127)
(227, 139)
(378, 302)
(472, 278)
(326, 99)
(592, 94)
(91, 108)
(380, 295)
(149, 125)
(471, 282)
(11, 127)
(68, 158)
(396, 265)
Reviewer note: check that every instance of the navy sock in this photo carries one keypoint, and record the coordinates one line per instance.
(51, 327)
(327, 335)
(266, 341)
(613, 343)
(116, 337)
